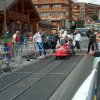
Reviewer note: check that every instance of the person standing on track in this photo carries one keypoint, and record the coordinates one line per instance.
(38, 39)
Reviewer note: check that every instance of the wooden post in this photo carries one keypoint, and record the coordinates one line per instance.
(28, 19)
(5, 18)
(15, 15)
(37, 26)
(22, 15)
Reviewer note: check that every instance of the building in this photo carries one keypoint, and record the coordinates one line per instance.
(84, 11)
(19, 15)
(76, 11)
(92, 9)
(99, 14)
(58, 12)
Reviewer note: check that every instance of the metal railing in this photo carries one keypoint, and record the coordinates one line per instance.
(12, 55)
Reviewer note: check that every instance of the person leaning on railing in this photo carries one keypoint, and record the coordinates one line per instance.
(96, 53)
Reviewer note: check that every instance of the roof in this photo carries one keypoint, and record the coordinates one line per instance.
(8, 3)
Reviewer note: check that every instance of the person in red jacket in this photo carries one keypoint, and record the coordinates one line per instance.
(16, 41)
(16, 37)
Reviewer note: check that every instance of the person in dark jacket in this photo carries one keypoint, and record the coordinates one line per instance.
(96, 53)
(92, 39)
(44, 39)
(52, 41)
(21, 39)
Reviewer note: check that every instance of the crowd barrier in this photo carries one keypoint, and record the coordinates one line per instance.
(90, 87)
(15, 54)
(11, 54)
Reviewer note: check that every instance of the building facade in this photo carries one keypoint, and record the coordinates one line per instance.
(58, 12)
(76, 11)
(84, 11)
(99, 13)
(20, 15)
(92, 9)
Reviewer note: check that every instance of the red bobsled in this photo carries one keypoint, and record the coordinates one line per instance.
(62, 51)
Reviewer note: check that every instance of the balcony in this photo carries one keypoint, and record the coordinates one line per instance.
(51, 9)
(54, 17)
(37, 2)
(76, 14)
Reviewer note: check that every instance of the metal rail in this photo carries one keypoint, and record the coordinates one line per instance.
(25, 76)
(37, 80)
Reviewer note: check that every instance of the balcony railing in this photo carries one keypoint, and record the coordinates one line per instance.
(51, 9)
(49, 1)
(54, 17)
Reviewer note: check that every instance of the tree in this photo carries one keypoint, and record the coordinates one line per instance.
(80, 23)
(94, 17)
(73, 27)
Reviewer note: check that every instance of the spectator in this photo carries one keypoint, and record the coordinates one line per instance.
(92, 39)
(44, 39)
(65, 36)
(21, 39)
(16, 41)
(16, 37)
(52, 41)
(56, 37)
(77, 40)
(7, 36)
(62, 40)
(96, 53)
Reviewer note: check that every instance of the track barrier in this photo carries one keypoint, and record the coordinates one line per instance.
(15, 54)
(90, 88)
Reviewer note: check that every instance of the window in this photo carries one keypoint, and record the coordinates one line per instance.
(45, 6)
(56, 5)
